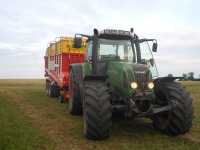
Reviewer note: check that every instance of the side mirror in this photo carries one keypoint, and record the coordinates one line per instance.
(154, 47)
(77, 42)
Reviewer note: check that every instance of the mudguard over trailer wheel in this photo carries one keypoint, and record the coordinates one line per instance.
(179, 119)
(75, 103)
(97, 111)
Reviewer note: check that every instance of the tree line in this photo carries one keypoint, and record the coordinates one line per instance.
(187, 77)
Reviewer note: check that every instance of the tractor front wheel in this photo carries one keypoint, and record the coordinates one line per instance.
(97, 110)
(179, 119)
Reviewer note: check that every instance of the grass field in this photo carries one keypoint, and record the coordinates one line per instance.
(29, 120)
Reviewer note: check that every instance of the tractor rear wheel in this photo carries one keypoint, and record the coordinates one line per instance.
(97, 111)
(179, 119)
(75, 103)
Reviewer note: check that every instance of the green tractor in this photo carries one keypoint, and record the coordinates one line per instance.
(119, 76)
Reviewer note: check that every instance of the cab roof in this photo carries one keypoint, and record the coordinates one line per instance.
(115, 34)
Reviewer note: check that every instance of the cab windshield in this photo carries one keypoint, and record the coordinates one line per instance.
(121, 50)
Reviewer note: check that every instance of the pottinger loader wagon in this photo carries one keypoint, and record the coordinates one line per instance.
(60, 54)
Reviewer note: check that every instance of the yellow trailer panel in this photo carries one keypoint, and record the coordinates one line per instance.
(65, 45)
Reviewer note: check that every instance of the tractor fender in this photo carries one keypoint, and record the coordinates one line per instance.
(162, 80)
(77, 70)
(166, 79)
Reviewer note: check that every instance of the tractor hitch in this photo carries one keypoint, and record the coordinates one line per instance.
(152, 109)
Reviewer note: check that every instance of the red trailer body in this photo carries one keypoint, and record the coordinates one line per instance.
(59, 56)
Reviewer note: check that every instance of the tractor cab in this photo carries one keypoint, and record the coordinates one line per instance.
(120, 46)
(113, 47)
(124, 54)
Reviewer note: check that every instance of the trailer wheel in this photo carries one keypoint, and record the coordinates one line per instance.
(75, 104)
(97, 111)
(61, 99)
(56, 91)
(47, 87)
(178, 120)
(50, 91)
(53, 91)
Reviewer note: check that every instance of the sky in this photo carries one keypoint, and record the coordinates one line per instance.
(27, 26)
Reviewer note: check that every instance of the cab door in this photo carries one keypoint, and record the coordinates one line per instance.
(147, 58)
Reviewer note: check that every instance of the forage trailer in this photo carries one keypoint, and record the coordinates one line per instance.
(60, 54)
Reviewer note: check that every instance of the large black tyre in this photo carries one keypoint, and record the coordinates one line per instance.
(75, 102)
(97, 111)
(179, 119)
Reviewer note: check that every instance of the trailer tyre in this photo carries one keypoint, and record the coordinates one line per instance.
(47, 87)
(97, 111)
(53, 91)
(179, 119)
(61, 99)
(50, 91)
(56, 91)
(75, 103)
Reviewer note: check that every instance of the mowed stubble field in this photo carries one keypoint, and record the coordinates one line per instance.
(29, 120)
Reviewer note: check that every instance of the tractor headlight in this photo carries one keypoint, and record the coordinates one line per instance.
(150, 85)
(134, 85)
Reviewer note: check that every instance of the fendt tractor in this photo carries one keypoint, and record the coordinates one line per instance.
(119, 76)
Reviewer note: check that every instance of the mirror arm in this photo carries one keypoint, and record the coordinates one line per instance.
(146, 40)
